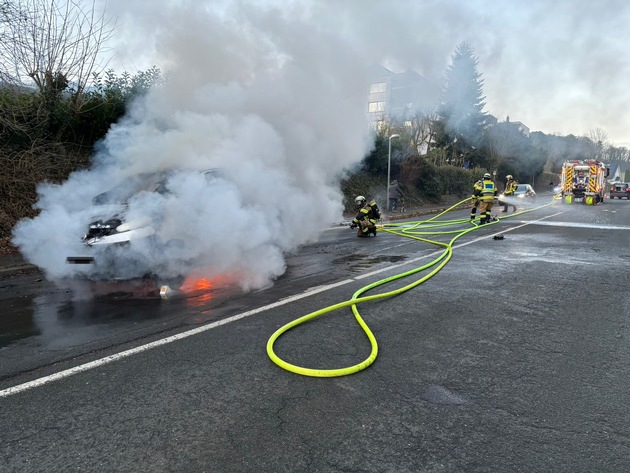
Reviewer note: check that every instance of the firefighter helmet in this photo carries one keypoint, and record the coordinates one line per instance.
(509, 177)
(359, 201)
(486, 175)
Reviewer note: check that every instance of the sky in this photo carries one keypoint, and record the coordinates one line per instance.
(273, 93)
(560, 67)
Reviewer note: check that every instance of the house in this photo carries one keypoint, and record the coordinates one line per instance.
(518, 126)
(619, 172)
(398, 96)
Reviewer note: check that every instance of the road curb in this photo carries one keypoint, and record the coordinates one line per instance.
(15, 269)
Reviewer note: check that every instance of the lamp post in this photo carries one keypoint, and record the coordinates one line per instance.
(389, 166)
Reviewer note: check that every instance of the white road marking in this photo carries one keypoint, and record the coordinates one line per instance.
(164, 341)
(583, 225)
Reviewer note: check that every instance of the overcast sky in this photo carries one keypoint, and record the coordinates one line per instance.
(560, 66)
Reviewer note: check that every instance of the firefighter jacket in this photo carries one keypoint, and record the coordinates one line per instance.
(476, 188)
(487, 192)
(369, 212)
(510, 187)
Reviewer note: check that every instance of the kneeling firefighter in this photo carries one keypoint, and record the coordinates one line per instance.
(486, 197)
(366, 218)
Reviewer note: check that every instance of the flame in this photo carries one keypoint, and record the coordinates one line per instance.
(200, 290)
(193, 284)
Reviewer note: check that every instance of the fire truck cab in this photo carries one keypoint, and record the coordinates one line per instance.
(583, 181)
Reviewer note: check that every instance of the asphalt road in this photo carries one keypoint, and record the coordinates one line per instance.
(515, 357)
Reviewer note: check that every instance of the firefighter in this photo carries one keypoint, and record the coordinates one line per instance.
(367, 216)
(486, 195)
(510, 188)
(475, 200)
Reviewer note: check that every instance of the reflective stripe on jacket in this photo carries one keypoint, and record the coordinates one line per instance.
(369, 211)
(375, 212)
(364, 213)
(510, 187)
(488, 191)
(476, 189)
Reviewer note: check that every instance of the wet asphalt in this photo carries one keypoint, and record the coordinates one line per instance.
(513, 358)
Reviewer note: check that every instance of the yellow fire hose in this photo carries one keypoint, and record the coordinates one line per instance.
(406, 229)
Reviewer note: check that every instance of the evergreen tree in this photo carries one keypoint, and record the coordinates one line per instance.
(461, 116)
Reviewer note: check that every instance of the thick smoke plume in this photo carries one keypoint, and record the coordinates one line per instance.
(278, 105)
(273, 91)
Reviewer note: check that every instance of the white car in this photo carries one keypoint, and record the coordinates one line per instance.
(525, 191)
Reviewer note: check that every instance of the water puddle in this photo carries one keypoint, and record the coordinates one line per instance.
(359, 263)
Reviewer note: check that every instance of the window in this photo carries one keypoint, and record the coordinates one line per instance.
(374, 107)
(378, 88)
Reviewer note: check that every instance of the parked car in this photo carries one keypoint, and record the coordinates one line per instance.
(525, 191)
(620, 190)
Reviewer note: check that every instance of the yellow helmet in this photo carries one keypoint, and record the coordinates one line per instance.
(509, 177)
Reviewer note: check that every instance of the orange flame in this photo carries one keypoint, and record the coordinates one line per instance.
(199, 289)
(192, 284)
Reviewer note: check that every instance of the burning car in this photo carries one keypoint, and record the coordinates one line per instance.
(125, 238)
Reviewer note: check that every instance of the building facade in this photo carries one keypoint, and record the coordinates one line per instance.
(399, 96)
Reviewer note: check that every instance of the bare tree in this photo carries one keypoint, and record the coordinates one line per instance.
(50, 44)
(498, 145)
(8, 16)
(420, 127)
(599, 137)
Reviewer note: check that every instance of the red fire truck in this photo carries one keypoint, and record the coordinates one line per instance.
(583, 181)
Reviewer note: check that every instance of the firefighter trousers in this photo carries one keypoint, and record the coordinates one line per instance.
(365, 228)
(485, 208)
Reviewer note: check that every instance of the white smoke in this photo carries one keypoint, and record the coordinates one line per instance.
(278, 105)
(273, 91)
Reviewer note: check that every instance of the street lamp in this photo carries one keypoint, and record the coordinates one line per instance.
(389, 166)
